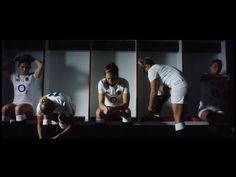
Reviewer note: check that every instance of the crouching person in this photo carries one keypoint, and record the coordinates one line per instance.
(55, 109)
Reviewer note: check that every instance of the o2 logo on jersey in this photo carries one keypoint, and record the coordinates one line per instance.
(113, 99)
(21, 88)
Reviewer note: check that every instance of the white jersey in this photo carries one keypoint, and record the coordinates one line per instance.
(63, 104)
(213, 92)
(168, 75)
(113, 94)
(24, 88)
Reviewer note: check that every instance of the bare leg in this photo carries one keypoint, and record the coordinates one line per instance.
(8, 112)
(22, 111)
(100, 116)
(26, 109)
(160, 100)
(178, 113)
(126, 115)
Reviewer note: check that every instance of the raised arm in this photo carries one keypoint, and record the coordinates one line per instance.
(6, 67)
(39, 70)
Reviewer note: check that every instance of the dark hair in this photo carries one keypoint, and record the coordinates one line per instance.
(146, 61)
(27, 59)
(219, 62)
(111, 68)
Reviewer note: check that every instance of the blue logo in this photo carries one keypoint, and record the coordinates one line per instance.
(21, 88)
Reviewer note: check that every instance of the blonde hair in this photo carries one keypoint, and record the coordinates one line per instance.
(145, 61)
(46, 105)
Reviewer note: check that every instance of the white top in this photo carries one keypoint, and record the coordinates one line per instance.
(24, 88)
(63, 104)
(168, 75)
(113, 94)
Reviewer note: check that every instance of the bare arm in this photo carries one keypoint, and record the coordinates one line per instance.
(39, 126)
(63, 132)
(39, 70)
(6, 68)
(101, 100)
(152, 96)
(67, 124)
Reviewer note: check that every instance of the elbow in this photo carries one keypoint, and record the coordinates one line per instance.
(42, 67)
(126, 105)
(153, 94)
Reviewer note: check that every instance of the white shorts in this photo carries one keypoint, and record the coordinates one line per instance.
(203, 108)
(179, 95)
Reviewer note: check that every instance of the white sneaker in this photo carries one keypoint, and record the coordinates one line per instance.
(12, 121)
(100, 120)
(126, 119)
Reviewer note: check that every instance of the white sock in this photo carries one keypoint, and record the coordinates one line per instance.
(99, 120)
(20, 118)
(179, 126)
(126, 119)
(5, 118)
(12, 121)
(62, 126)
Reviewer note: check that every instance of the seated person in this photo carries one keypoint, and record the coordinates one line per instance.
(24, 88)
(113, 96)
(213, 87)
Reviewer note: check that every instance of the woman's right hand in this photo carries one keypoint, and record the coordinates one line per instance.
(105, 110)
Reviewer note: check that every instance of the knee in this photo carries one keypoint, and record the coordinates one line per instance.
(19, 109)
(126, 112)
(6, 108)
(203, 115)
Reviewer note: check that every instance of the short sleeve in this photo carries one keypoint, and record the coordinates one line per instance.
(126, 87)
(152, 74)
(13, 75)
(100, 87)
